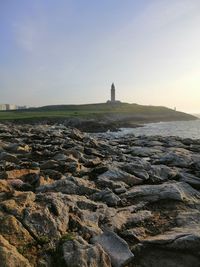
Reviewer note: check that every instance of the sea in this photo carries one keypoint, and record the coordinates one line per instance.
(183, 129)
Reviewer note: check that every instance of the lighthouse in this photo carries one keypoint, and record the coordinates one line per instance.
(112, 96)
(112, 93)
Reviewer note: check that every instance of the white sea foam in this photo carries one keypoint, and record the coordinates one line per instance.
(184, 129)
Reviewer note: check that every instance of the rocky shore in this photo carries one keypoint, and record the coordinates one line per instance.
(70, 199)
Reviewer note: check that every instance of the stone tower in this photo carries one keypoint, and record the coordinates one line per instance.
(112, 92)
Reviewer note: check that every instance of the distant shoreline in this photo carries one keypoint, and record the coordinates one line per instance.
(95, 117)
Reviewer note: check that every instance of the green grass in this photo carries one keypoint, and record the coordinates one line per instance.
(87, 111)
(68, 237)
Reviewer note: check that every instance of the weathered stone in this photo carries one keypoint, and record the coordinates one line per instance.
(6, 190)
(78, 252)
(159, 257)
(137, 168)
(134, 235)
(113, 185)
(9, 256)
(76, 134)
(192, 180)
(138, 217)
(48, 217)
(168, 191)
(120, 219)
(9, 157)
(51, 164)
(167, 250)
(17, 148)
(44, 181)
(4, 187)
(16, 183)
(91, 162)
(60, 157)
(86, 216)
(92, 151)
(67, 186)
(161, 173)
(120, 190)
(20, 174)
(74, 153)
(52, 174)
(145, 189)
(118, 175)
(98, 170)
(106, 196)
(144, 151)
(14, 232)
(116, 248)
(177, 159)
(73, 167)
(17, 203)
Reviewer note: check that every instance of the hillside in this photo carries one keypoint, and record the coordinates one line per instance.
(119, 115)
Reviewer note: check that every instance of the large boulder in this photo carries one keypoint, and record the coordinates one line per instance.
(115, 247)
(78, 253)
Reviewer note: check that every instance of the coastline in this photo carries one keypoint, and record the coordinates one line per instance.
(99, 117)
(183, 129)
(96, 125)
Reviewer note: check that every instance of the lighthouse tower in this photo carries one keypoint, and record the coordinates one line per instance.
(112, 93)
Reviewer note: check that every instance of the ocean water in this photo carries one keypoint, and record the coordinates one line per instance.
(183, 129)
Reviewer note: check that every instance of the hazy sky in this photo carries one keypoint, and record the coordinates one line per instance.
(70, 51)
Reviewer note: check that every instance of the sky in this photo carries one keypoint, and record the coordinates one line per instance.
(70, 51)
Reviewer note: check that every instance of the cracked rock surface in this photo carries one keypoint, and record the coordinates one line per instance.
(73, 199)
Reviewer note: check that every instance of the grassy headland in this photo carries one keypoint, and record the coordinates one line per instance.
(120, 114)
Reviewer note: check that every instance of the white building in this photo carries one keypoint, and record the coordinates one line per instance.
(8, 107)
(2, 106)
(12, 107)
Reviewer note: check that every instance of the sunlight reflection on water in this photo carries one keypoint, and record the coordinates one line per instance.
(184, 129)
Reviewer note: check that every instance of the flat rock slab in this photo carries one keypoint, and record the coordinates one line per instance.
(179, 191)
(115, 247)
(118, 175)
(177, 238)
(167, 249)
(190, 179)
